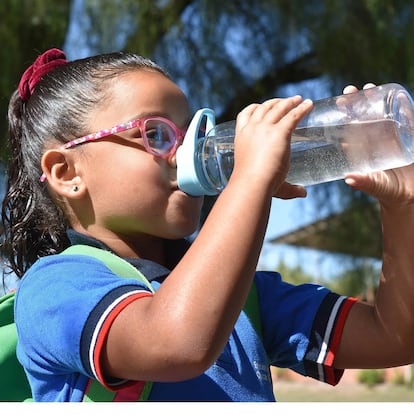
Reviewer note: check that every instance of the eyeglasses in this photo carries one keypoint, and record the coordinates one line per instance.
(161, 136)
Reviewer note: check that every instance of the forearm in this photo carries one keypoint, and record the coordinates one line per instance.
(214, 278)
(395, 298)
(382, 334)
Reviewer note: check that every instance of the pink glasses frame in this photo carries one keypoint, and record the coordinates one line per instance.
(140, 123)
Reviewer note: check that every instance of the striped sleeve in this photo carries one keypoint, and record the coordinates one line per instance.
(325, 338)
(97, 327)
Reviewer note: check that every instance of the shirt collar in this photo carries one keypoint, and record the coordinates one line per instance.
(151, 270)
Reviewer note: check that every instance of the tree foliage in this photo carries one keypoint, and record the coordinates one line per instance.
(28, 28)
(360, 281)
(228, 54)
(295, 275)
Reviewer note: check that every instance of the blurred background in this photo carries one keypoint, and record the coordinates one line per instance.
(226, 55)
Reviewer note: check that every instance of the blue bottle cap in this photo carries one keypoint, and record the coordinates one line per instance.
(189, 173)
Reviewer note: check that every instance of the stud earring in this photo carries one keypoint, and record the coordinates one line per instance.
(75, 188)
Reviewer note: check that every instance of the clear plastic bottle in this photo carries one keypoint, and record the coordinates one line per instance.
(372, 129)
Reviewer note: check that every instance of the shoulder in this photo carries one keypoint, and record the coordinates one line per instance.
(67, 278)
(76, 269)
(278, 298)
(265, 280)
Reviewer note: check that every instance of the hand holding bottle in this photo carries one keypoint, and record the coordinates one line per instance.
(262, 143)
(393, 187)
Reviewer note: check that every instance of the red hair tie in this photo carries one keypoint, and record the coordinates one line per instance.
(44, 63)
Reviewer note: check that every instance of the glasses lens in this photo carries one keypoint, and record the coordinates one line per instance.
(160, 136)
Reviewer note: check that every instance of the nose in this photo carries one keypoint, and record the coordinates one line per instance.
(172, 159)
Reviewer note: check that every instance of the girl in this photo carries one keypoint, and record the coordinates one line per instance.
(93, 145)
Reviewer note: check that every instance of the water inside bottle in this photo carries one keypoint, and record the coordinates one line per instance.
(322, 154)
(217, 160)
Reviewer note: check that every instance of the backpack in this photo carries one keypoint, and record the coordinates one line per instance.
(13, 382)
(14, 385)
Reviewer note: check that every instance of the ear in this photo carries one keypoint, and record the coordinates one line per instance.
(61, 173)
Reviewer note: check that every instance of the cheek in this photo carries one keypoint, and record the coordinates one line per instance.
(123, 174)
(120, 164)
(140, 185)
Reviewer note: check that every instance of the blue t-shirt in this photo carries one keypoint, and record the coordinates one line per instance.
(64, 303)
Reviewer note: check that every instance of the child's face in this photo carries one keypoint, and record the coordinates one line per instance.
(133, 193)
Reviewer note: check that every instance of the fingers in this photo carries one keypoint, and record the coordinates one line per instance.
(265, 130)
(352, 88)
(287, 191)
(369, 85)
(273, 110)
(358, 181)
(294, 116)
(383, 185)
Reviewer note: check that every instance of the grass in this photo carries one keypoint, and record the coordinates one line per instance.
(312, 391)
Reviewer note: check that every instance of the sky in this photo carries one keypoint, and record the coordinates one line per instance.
(285, 217)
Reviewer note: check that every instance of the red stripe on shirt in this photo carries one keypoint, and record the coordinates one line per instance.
(331, 378)
(103, 332)
(130, 393)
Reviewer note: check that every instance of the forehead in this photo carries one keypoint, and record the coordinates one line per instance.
(144, 92)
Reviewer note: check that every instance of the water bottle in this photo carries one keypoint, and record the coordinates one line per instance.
(368, 130)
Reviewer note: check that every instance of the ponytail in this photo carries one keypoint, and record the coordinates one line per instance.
(33, 226)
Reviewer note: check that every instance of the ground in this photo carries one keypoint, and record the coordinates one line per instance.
(290, 387)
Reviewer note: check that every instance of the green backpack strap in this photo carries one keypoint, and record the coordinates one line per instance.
(115, 263)
(252, 310)
(14, 385)
(96, 391)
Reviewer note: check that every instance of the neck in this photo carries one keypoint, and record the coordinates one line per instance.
(142, 246)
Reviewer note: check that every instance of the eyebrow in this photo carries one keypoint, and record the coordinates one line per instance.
(141, 115)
